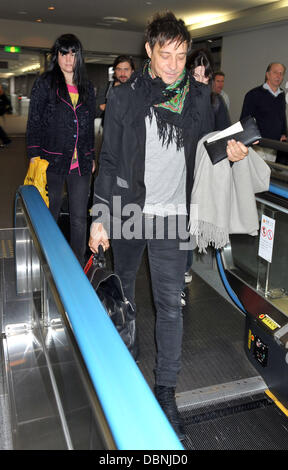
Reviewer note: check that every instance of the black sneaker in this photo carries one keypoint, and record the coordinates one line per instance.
(167, 401)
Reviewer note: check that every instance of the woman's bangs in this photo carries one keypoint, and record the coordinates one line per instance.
(65, 49)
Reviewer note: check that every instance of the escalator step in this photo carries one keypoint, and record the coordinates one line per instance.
(246, 424)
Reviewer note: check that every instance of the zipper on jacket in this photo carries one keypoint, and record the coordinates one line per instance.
(74, 111)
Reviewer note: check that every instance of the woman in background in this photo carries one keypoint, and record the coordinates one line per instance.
(200, 64)
(60, 129)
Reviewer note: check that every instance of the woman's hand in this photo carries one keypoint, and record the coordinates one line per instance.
(199, 74)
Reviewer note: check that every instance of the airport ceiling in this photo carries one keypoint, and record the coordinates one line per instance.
(132, 15)
(205, 19)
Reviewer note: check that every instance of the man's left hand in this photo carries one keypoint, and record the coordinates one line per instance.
(236, 151)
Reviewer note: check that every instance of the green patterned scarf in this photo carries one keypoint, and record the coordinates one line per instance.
(180, 89)
(168, 104)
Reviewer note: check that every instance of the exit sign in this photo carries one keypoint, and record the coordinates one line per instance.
(12, 49)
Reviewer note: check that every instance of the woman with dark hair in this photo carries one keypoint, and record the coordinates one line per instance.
(200, 63)
(60, 129)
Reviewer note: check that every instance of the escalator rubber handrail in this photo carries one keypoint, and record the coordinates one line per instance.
(278, 190)
(134, 416)
(274, 144)
(224, 279)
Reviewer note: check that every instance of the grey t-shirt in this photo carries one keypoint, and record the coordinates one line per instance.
(165, 175)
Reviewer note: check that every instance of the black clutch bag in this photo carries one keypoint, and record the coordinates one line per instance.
(250, 133)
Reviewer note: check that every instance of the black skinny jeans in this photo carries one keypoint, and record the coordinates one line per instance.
(167, 264)
(78, 188)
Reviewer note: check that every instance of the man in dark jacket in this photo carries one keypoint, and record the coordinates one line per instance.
(268, 105)
(152, 126)
(123, 67)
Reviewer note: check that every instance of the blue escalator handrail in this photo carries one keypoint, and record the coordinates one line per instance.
(278, 190)
(134, 416)
(230, 291)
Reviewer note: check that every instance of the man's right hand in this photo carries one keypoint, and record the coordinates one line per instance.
(98, 236)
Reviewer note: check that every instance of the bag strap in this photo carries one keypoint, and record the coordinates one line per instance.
(97, 260)
(88, 264)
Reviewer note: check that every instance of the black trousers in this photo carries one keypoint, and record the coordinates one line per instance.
(167, 262)
(78, 188)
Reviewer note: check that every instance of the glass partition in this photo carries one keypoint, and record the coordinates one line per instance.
(261, 261)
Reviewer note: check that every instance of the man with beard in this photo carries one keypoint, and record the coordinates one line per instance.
(123, 68)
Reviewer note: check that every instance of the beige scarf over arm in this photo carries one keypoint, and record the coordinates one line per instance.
(223, 197)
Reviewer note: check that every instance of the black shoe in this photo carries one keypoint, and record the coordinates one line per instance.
(167, 401)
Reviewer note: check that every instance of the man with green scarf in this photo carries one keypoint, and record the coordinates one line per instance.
(152, 126)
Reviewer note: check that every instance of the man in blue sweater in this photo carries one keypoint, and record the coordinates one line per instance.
(267, 104)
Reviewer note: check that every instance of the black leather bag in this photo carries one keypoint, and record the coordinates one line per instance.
(109, 289)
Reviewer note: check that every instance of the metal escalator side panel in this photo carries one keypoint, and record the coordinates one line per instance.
(268, 357)
(132, 412)
(266, 330)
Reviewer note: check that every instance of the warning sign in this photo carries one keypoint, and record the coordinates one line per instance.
(269, 321)
(266, 238)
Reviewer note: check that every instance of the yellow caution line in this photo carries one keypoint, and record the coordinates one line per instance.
(277, 402)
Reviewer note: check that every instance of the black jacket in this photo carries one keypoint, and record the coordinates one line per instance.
(268, 110)
(55, 129)
(122, 157)
(5, 104)
(221, 113)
